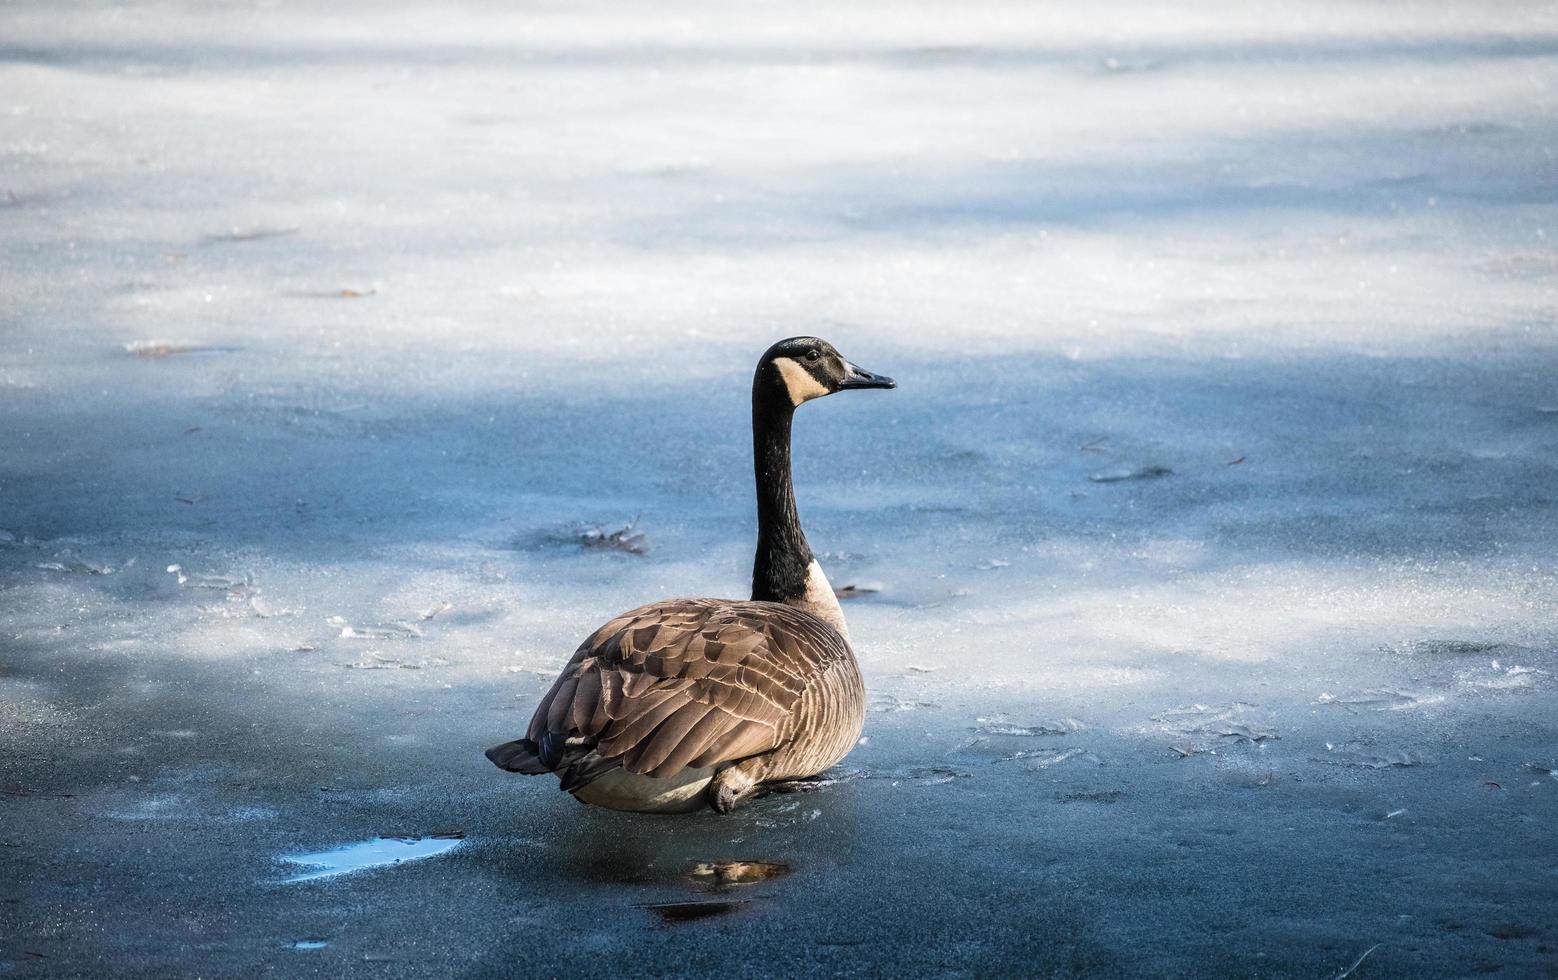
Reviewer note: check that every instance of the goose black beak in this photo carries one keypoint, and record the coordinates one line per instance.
(854, 377)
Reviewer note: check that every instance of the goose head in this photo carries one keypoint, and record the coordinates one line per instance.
(802, 368)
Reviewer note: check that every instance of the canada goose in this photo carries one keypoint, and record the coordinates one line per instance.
(690, 702)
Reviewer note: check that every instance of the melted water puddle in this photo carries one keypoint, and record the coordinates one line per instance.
(377, 853)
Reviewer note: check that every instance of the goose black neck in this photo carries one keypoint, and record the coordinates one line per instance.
(783, 556)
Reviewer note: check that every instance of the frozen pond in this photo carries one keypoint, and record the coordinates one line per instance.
(1204, 563)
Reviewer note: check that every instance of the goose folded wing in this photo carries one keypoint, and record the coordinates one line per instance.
(689, 683)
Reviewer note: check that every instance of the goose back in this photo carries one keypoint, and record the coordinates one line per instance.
(694, 684)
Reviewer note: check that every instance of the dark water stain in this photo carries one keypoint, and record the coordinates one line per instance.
(248, 235)
(1450, 648)
(1103, 796)
(580, 536)
(1513, 932)
(1125, 472)
(613, 869)
(679, 912)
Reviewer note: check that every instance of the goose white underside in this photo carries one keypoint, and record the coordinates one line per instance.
(623, 790)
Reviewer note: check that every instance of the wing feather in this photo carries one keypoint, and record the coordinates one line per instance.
(587, 702)
(562, 703)
(692, 743)
(647, 755)
(640, 727)
(747, 738)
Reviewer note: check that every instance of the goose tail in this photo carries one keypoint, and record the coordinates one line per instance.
(521, 755)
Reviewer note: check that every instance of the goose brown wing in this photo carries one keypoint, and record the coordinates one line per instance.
(686, 683)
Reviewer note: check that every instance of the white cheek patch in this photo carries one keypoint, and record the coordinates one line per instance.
(798, 381)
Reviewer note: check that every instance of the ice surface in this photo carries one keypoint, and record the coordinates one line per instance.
(370, 310)
(392, 630)
(219, 583)
(1002, 725)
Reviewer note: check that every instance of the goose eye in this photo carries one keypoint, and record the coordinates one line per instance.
(812, 355)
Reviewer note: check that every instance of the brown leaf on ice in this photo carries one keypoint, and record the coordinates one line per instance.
(855, 590)
(738, 872)
(157, 349)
